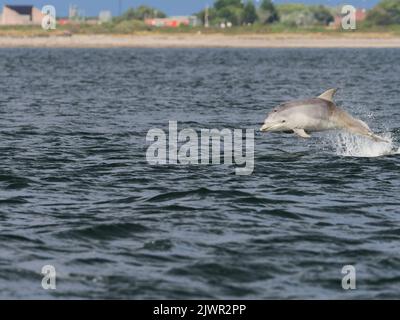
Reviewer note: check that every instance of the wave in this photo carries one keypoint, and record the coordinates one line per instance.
(106, 231)
(200, 192)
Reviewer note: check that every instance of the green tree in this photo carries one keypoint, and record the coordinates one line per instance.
(249, 13)
(231, 14)
(289, 8)
(128, 14)
(145, 12)
(386, 12)
(141, 13)
(268, 12)
(212, 14)
(233, 11)
(322, 15)
(228, 11)
(219, 4)
(303, 15)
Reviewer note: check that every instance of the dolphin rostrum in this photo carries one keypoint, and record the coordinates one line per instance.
(316, 114)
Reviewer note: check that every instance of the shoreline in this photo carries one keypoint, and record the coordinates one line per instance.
(273, 40)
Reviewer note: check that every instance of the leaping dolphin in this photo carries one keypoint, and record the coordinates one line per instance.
(316, 114)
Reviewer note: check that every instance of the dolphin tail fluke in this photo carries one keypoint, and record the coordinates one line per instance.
(377, 138)
(370, 134)
(360, 127)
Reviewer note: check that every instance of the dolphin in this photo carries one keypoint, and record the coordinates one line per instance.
(312, 115)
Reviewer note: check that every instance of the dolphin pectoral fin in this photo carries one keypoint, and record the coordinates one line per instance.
(328, 95)
(301, 133)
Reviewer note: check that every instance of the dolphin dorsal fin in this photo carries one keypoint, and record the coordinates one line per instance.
(328, 95)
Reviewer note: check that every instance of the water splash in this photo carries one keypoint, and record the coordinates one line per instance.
(349, 145)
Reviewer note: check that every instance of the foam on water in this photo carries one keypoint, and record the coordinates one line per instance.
(349, 145)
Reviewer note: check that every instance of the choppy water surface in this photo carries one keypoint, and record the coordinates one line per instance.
(76, 191)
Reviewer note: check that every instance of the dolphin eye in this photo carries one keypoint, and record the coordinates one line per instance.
(283, 121)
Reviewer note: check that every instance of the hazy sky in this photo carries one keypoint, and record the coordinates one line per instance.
(171, 7)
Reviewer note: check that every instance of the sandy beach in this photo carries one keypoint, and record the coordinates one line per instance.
(281, 40)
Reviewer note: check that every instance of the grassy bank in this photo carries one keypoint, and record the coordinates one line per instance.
(137, 27)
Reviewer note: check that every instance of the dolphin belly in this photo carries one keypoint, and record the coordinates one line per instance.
(321, 125)
(314, 120)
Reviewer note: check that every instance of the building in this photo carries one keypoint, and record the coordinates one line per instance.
(73, 12)
(76, 14)
(361, 15)
(173, 22)
(21, 15)
(105, 16)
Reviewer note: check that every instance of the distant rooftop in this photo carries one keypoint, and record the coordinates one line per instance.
(24, 10)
